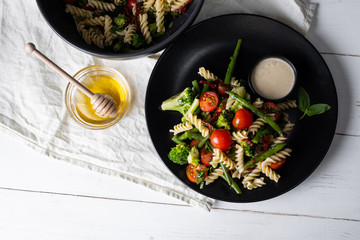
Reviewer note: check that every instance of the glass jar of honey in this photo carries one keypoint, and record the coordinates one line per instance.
(98, 79)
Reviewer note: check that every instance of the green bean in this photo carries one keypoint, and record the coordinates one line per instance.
(251, 163)
(202, 142)
(231, 67)
(259, 134)
(196, 87)
(249, 106)
(190, 134)
(176, 139)
(206, 87)
(226, 176)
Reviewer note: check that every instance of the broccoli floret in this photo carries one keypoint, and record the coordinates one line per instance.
(249, 148)
(120, 21)
(224, 120)
(117, 46)
(181, 102)
(179, 153)
(138, 41)
(152, 28)
(241, 92)
(193, 157)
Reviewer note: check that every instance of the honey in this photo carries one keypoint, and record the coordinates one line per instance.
(98, 84)
(98, 79)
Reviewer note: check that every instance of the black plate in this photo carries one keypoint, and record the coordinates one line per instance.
(210, 44)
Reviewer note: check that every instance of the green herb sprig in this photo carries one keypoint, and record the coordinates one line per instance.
(306, 108)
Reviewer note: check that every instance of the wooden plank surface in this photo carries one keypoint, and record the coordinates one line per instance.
(42, 198)
(66, 217)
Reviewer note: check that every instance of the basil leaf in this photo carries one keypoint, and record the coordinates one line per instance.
(303, 100)
(317, 109)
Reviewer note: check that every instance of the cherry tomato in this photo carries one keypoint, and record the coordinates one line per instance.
(222, 88)
(206, 156)
(191, 171)
(208, 101)
(130, 4)
(243, 119)
(194, 142)
(278, 164)
(221, 139)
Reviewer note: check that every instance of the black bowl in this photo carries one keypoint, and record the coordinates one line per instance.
(63, 24)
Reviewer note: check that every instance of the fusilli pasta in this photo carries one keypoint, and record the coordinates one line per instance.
(207, 74)
(107, 30)
(268, 171)
(286, 105)
(219, 156)
(239, 158)
(177, 4)
(144, 27)
(77, 12)
(130, 31)
(258, 103)
(160, 12)
(181, 127)
(234, 82)
(279, 139)
(198, 124)
(147, 5)
(280, 155)
(256, 125)
(101, 5)
(218, 172)
(288, 128)
(97, 21)
(250, 177)
(239, 135)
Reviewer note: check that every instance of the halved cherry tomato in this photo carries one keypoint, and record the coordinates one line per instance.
(208, 101)
(243, 119)
(130, 4)
(278, 164)
(270, 106)
(221, 87)
(206, 156)
(219, 110)
(194, 142)
(221, 139)
(191, 171)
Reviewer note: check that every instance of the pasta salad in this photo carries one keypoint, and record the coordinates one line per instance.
(224, 133)
(124, 25)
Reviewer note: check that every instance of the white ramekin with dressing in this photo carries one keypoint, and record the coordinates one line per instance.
(273, 78)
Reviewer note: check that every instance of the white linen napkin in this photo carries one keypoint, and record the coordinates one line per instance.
(32, 105)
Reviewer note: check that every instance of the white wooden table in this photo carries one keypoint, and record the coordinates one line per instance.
(41, 198)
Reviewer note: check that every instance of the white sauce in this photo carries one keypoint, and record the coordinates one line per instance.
(273, 78)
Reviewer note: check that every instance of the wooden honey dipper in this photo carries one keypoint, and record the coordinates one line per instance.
(103, 104)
